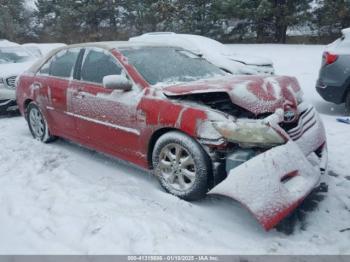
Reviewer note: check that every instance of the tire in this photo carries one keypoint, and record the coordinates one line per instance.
(37, 124)
(182, 166)
(347, 104)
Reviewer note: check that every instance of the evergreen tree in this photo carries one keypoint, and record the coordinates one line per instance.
(331, 16)
(197, 16)
(12, 16)
(268, 19)
(79, 20)
(148, 15)
(94, 20)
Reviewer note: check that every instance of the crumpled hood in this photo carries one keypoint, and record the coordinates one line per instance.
(256, 94)
(14, 69)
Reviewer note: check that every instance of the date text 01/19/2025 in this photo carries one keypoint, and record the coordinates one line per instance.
(173, 258)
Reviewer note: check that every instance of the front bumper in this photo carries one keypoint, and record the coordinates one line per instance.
(7, 94)
(275, 182)
(7, 99)
(8, 105)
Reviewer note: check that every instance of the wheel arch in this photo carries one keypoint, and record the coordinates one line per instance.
(25, 105)
(153, 140)
(160, 132)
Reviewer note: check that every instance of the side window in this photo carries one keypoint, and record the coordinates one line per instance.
(97, 65)
(63, 63)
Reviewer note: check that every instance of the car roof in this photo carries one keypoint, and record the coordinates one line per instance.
(108, 45)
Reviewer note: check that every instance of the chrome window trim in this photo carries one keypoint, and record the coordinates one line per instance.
(115, 126)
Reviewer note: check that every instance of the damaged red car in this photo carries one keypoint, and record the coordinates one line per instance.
(201, 130)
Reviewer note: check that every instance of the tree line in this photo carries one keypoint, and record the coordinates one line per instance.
(276, 21)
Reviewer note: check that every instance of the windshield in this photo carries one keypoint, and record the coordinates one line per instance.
(14, 55)
(170, 65)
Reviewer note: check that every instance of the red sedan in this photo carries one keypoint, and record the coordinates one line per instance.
(198, 128)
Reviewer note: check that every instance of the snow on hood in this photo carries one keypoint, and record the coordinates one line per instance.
(249, 60)
(210, 47)
(256, 94)
(14, 69)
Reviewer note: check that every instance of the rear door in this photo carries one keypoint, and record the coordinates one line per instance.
(61, 68)
(106, 119)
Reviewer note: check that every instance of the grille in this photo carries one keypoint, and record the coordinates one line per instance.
(306, 121)
(11, 82)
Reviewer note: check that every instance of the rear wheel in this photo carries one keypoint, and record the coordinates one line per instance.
(182, 166)
(37, 124)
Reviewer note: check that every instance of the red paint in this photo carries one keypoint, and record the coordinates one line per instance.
(270, 222)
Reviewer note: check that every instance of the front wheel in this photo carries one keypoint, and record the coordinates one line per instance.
(37, 124)
(182, 166)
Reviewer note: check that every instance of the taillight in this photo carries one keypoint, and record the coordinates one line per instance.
(329, 58)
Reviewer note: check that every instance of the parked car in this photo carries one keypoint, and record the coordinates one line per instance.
(14, 59)
(334, 78)
(215, 52)
(200, 129)
(42, 49)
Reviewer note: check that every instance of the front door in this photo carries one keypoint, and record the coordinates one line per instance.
(106, 119)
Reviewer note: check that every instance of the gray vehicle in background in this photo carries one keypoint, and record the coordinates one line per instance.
(334, 79)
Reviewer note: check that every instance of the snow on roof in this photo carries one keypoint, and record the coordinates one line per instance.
(6, 43)
(116, 44)
(346, 32)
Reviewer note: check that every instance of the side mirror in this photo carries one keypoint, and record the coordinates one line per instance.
(117, 82)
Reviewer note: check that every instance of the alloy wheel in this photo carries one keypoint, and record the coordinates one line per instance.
(177, 167)
(37, 123)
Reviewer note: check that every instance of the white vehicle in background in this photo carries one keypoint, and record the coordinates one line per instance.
(4, 42)
(213, 51)
(14, 60)
(40, 50)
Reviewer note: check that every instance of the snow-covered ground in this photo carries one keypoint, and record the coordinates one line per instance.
(63, 199)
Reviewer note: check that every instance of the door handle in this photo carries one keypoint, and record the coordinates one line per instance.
(79, 95)
(78, 92)
(37, 85)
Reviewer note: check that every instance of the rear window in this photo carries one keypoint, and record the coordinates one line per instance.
(63, 63)
(170, 65)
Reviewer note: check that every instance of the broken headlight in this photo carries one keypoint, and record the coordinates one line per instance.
(249, 133)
